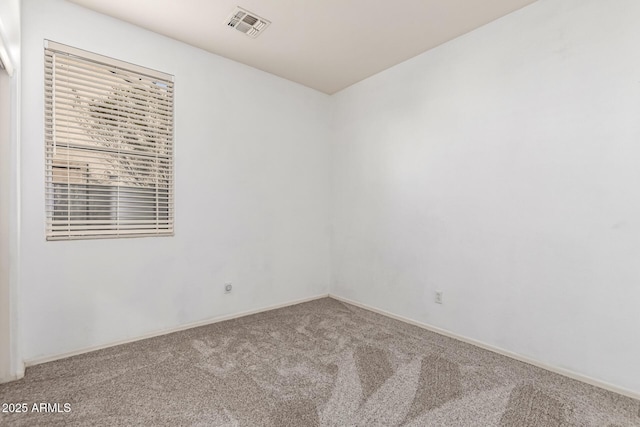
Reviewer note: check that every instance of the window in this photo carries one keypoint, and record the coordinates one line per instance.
(109, 147)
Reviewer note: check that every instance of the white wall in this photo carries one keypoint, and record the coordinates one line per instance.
(11, 366)
(5, 186)
(500, 168)
(251, 197)
(10, 28)
(503, 169)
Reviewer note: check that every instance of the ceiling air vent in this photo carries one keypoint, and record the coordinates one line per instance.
(247, 22)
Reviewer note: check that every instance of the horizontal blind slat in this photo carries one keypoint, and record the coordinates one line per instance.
(105, 94)
(70, 98)
(68, 51)
(108, 148)
(78, 70)
(71, 118)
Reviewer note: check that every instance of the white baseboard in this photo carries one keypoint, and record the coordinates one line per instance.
(11, 378)
(21, 369)
(516, 356)
(40, 360)
(17, 376)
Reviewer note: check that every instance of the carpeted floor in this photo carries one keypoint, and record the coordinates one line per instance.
(322, 363)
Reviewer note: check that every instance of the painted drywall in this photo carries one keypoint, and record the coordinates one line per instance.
(10, 29)
(502, 169)
(11, 366)
(251, 174)
(5, 186)
(498, 168)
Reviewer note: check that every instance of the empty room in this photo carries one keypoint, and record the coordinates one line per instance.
(320, 213)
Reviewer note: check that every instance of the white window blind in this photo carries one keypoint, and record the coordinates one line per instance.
(109, 147)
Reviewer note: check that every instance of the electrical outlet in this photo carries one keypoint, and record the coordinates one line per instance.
(228, 287)
(438, 297)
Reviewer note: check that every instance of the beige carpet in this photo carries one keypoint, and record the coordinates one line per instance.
(322, 363)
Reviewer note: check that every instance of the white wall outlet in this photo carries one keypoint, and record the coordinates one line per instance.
(228, 287)
(438, 297)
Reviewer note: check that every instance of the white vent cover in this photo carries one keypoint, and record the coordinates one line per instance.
(247, 22)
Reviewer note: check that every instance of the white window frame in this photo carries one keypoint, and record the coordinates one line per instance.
(109, 147)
